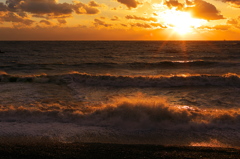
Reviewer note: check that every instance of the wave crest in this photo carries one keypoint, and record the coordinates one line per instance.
(130, 81)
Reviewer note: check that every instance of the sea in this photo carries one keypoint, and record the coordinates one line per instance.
(183, 93)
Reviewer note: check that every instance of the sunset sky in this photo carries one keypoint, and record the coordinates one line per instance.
(119, 20)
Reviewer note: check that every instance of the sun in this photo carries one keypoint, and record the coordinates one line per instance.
(181, 22)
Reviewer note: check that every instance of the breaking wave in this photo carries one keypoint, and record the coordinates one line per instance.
(137, 119)
(232, 80)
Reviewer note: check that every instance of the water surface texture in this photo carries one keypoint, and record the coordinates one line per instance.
(130, 92)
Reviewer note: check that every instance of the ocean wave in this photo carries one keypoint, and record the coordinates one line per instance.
(139, 112)
(151, 119)
(232, 80)
(131, 65)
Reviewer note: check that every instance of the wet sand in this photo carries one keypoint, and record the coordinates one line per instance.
(111, 151)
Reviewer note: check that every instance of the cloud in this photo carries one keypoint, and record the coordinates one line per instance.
(140, 18)
(93, 4)
(158, 25)
(115, 18)
(232, 21)
(141, 25)
(62, 21)
(216, 27)
(204, 10)
(3, 7)
(174, 4)
(46, 22)
(98, 22)
(129, 3)
(233, 3)
(198, 8)
(81, 8)
(15, 18)
(51, 7)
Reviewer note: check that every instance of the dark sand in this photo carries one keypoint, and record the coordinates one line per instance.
(113, 151)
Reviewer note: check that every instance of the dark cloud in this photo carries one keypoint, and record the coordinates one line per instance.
(204, 10)
(13, 17)
(46, 22)
(140, 18)
(3, 7)
(51, 7)
(39, 16)
(129, 3)
(98, 22)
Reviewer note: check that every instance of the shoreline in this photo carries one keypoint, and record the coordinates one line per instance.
(104, 150)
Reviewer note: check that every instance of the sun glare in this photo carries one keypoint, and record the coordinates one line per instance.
(181, 22)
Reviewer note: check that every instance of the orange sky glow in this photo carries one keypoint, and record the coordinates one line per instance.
(120, 20)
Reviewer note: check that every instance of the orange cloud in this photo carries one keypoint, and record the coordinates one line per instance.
(93, 4)
(204, 10)
(98, 22)
(233, 3)
(140, 18)
(115, 18)
(216, 27)
(46, 22)
(15, 18)
(174, 4)
(62, 21)
(141, 25)
(198, 8)
(81, 8)
(129, 3)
